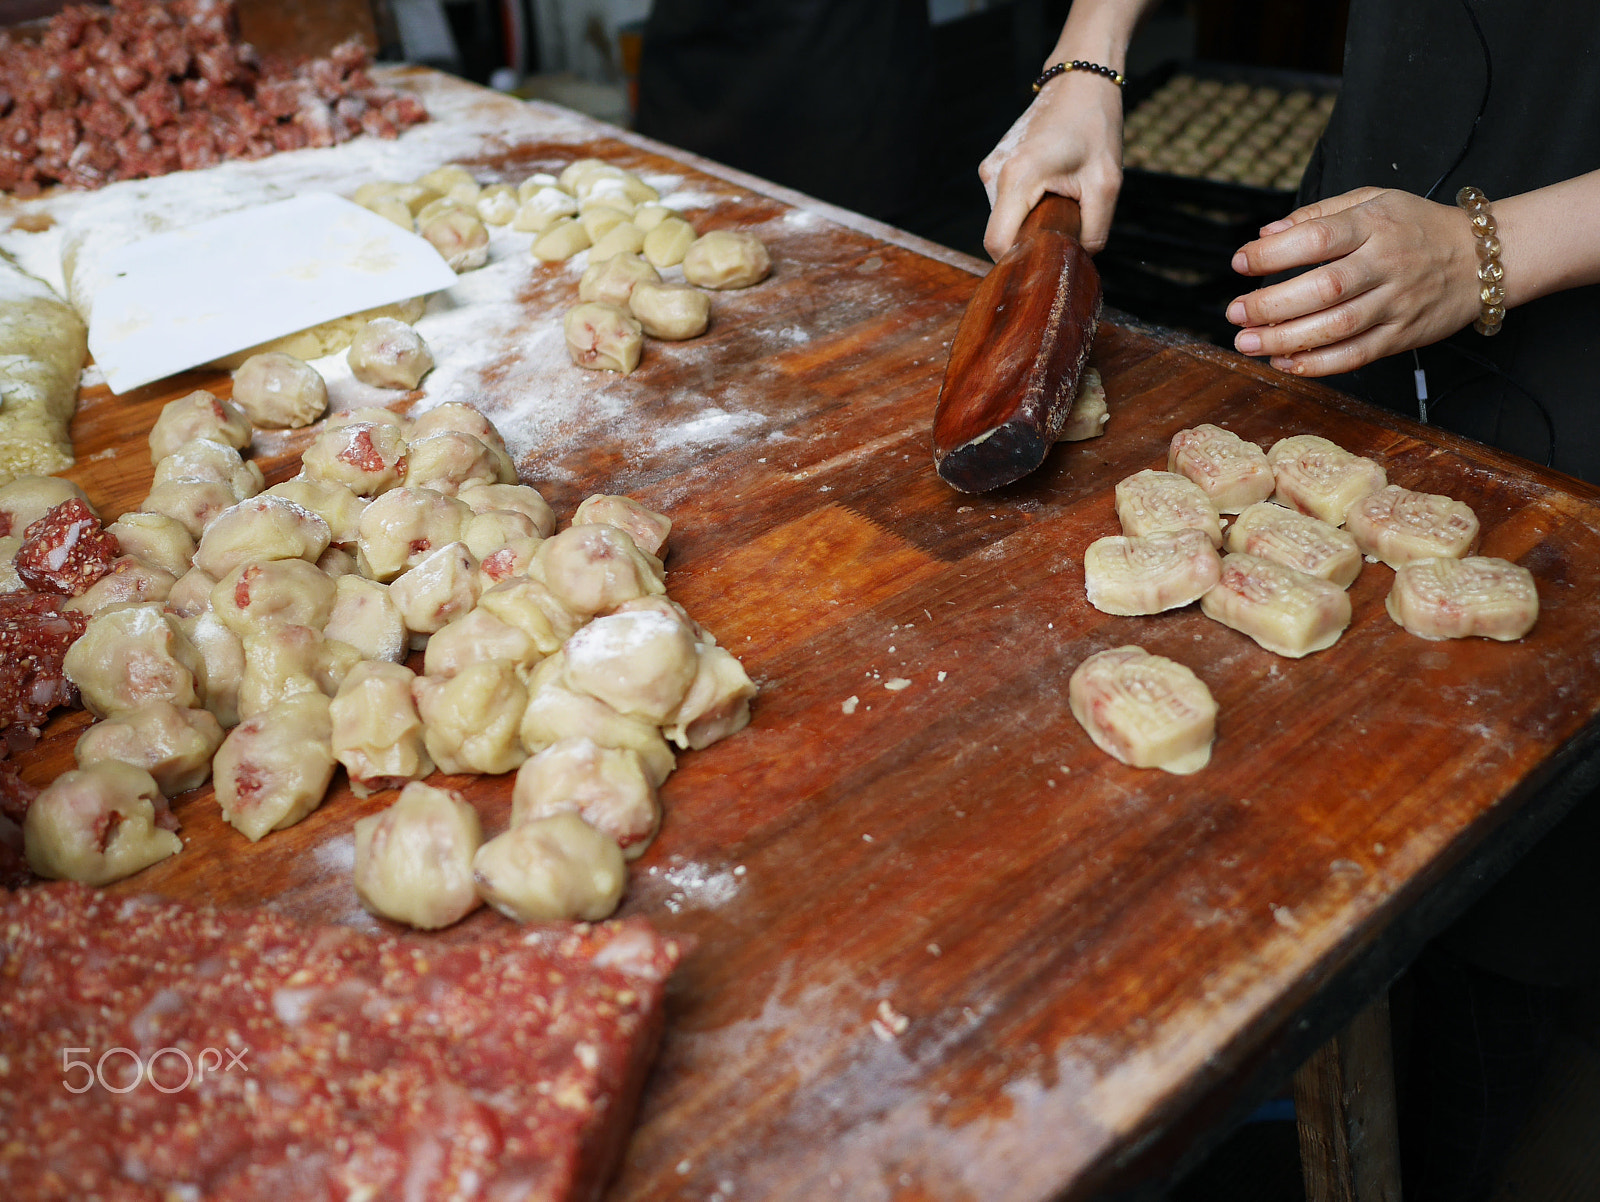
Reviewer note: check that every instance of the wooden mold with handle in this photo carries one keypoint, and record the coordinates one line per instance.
(1018, 353)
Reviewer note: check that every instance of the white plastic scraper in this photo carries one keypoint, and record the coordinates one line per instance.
(185, 297)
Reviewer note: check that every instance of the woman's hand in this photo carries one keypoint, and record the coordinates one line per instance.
(1397, 272)
(1069, 142)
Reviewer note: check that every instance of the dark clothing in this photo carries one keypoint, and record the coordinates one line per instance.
(1414, 78)
(822, 95)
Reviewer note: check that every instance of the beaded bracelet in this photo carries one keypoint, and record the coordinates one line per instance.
(1078, 64)
(1491, 290)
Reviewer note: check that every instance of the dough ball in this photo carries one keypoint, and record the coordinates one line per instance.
(574, 172)
(28, 498)
(471, 720)
(200, 414)
(452, 181)
(561, 239)
(374, 415)
(273, 592)
(639, 663)
(612, 280)
(594, 569)
(282, 662)
(541, 179)
(489, 532)
(278, 391)
(650, 214)
(205, 460)
(435, 208)
(645, 526)
(515, 558)
(718, 701)
(259, 529)
(603, 337)
(522, 498)
(174, 745)
(541, 208)
(368, 458)
(191, 594)
(222, 653)
(615, 186)
(193, 504)
(670, 311)
(599, 220)
(551, 869)
(533, 609)
(274, 768)
(726, 259)
(364, 617)
(440, 588)
(130, 655)
(392, 208)
(97, 825)
(460, 237)
(336, 562)
(604, 786)
(475, 638)
(414, 860)
(158, 540)
(332, 502)
(666, 244)
(623, 239)
(377, 733)
(449, 461)
(461, 418)
(127, 579)
(389, 354)
(399, 529)
(498, 204)
(555, 712)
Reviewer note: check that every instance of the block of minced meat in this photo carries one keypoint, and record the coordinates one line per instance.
(1149, 501)
(1320, 477)
(1396, 525)
(1149, 575)
(1287, 612)
(1233, 472)
(1145, 710)
(1478, 596)
(235, 1054)
(1298, 541)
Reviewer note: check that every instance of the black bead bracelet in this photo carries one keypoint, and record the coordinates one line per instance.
(1078, 64)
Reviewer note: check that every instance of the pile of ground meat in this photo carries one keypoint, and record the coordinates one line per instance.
(144, 88)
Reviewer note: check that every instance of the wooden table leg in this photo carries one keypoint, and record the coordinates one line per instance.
(1345, 1108)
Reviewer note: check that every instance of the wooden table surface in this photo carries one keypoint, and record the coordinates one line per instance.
(944, 947)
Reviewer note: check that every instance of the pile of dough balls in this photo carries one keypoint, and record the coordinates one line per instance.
(260, 638)
(631, 239)
(447, 207)
(1228, 132)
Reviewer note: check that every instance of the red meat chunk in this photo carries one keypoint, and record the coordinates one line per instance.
(66, 551)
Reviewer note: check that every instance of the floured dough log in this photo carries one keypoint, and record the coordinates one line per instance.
(612, 280)
(1296, 540)
(726, 259)
(672, 312)
(200, 414)
(1319, 477)
(551, 869)
(603, 337)
(1396, 525)
(97, 825)
(1233, 472)
(278, 392)
(43, 344)
(1479, 596)
(274, 767)
(1151, 501)
(377, 733)
(645, 526)
(389, 354)
(604, 786)
(1149, 575)
(1088, 416)
(1144, 710)
(1287, 612)
(414, 860)
(174, 745)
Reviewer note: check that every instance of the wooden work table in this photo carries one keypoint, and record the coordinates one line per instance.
(944, 947)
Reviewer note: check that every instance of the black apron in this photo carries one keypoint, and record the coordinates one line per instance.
(1414, 77)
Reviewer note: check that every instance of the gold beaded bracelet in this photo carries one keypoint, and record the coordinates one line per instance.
(1078, 64)
(1491, 288)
